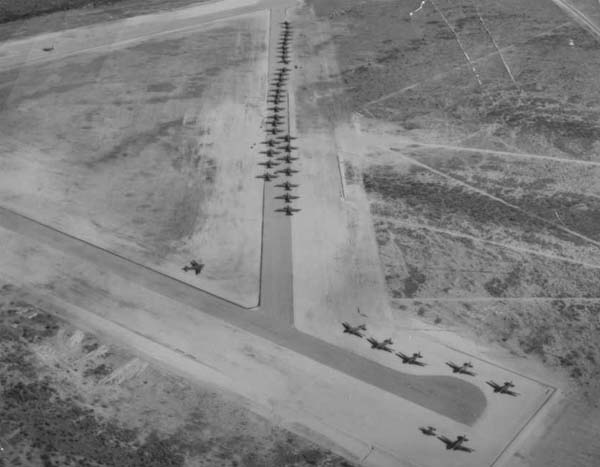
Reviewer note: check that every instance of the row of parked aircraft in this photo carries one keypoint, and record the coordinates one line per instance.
(415, 359)
(276, 145)
(280, 146)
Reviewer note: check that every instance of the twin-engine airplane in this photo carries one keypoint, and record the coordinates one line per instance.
(289, 159)
(287, 197)
(267, 176)
(269, 164)
(457, 444)
(412, 359)
(384, 345)
(462, 369)
(354, 330)
(289, 211)
(287, 186)
(287, 171)
(503, 388)
(194, 266)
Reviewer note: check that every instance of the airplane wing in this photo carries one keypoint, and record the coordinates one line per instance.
(492, 384)
(467, 372)
(402, 356)
(452, 365)
(445, 440)
(511, 393)
(416, 362)
(464, 448)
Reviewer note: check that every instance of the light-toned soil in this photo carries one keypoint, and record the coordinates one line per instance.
(118, 165)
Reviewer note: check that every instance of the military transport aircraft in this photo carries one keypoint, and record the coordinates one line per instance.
(285, 61)
(289, 159)
(288, 147)
(270, 142)
(384, 345)
(289, 211)
(503, 388)
(274, 124)
(287, 138)
(429, 430)
(462, 369)
(269, 152)
(269, 164)
(457, 444)
(194, 266)
(288, 171)
(354, 330)
(287, 186)
(276, 108)
(287, 197)
(283, 69)
(267, 176)
(274, 131)
(411, 360)
(275, 117)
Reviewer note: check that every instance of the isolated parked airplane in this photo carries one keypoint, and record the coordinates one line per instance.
(457, 444)
(194, 266)
(503, 388)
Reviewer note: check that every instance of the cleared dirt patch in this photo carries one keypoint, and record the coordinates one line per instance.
(140, 158)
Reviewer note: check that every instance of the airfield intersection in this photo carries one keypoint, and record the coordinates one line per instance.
(276, 340)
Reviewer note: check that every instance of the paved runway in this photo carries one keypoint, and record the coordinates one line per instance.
(452, 397)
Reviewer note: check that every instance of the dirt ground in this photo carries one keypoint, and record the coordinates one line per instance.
(19, 20)
(69, 398)
(118, 165)
(472, 127)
